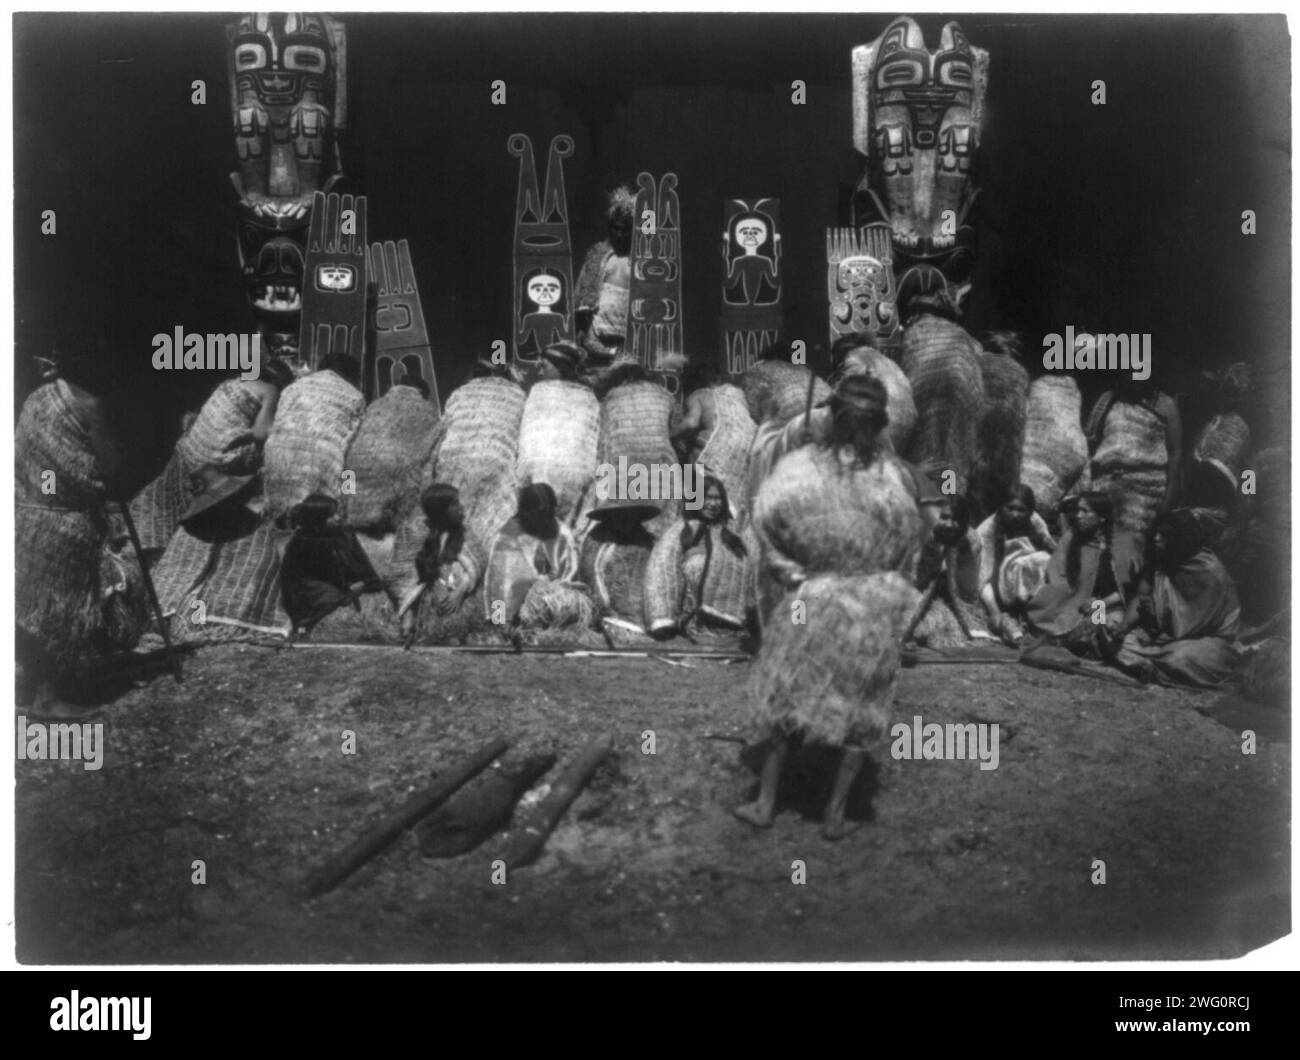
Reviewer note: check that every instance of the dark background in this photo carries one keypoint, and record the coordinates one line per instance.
(1123, 218)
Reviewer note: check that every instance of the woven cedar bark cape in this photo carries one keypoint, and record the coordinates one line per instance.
(635, 419)
(59, 537)
(1054, 455)
(1002, 427)
(1131, 461)
(388, 456)
(942, 363)
(478, 450)
(840, 541)
(558, 437)
(724, 594)
(900, 404)
(315, 421)
(778, 391)
(219, 437)
(726, 451)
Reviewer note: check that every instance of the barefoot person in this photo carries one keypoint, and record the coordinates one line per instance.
(840, 526)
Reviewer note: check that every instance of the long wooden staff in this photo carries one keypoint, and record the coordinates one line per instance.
(172, 660)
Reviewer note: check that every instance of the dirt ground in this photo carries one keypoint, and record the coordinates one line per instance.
(242, 767)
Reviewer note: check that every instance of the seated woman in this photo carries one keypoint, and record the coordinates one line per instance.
(1014, 548)
(324, 566)
(448, 567)
(615, 556)
(532, 567)
(699, 574)
(1180, 625)
(1093, 572)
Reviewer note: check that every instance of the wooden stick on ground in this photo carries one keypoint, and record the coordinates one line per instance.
(523, 844)
(393, 824)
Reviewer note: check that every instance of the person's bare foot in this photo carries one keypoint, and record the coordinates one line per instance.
(838, 828)
(754, 813)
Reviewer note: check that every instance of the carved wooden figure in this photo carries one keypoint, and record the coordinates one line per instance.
(751, 316)
(288, 96)
(543, 287)
(334, 285)
(654, 324)
(860, 285)
(917, 116)
(399, 338)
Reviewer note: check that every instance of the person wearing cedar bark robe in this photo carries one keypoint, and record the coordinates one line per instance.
(1014, 547)
(449, 566)
(226, 438)
(324, 566)
(1180, 625)
(532, 564)
(66, 472)
(840, 526)
(1091, 575)
(604, 285)
(614, 557)
(700, 572)
(1135, 433)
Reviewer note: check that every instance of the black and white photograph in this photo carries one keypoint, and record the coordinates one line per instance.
(650, 488)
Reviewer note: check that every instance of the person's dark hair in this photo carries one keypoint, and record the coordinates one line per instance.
(79, 359)
(436, 502)
(276, 372)
(694, 528)
(1005, 342)
(313, 510)
(618, 376)
(537, 508)
(934, 302)
(343, 364)
(1017, 491)
(845, 345)
(1105, 509)
(1183, 532)
(699, 373)
(959, 507)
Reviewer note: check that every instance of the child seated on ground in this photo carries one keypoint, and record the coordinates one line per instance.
(324, 566)
(1014, 548)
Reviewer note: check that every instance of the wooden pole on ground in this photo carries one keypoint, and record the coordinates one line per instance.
(522, 845)
(393, 824)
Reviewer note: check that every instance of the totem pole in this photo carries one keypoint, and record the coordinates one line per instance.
(654, 320)
(288, 97)
(543, 257)
(751, 317)
(916, 117)
(860, 283)
(398, 339)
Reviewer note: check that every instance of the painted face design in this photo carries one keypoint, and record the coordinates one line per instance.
(544, 291)
(751, 233)
(335, 277)
(861, 272)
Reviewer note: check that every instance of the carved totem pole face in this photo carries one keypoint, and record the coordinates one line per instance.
(917, 117)
(283, 92)
(288, 99)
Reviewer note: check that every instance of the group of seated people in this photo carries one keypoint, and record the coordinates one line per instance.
(533, 574)
(1168, 616)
